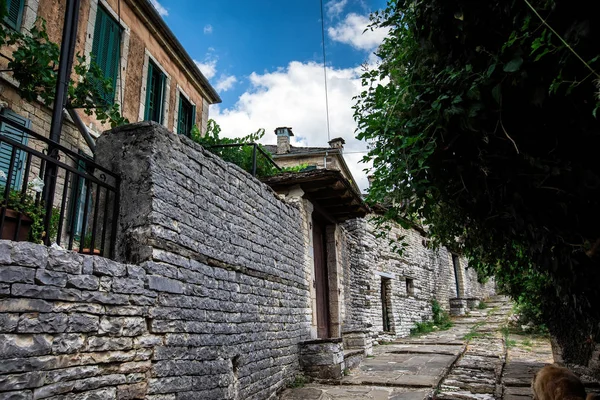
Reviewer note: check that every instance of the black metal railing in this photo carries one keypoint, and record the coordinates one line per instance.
(51, 194)
(256, 149)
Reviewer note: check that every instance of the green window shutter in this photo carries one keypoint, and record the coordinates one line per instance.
(149, 93)
(106, 51)
(77, 200)
(180, 117)
(14, 14)
(192, 120)
(6, 149)
(187, 115)
(155, 88)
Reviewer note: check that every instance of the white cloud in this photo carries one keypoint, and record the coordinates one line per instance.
(208, 67)
(225, 83)
(208, 29)
(159, 7)
(350, 31)
(295, 96)
(335, 7)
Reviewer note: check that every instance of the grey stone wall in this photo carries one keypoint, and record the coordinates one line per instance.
(373, 259)
(209, 299)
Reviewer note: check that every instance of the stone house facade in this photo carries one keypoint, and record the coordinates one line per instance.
(371, 287)
(214, 293)
(153, 78)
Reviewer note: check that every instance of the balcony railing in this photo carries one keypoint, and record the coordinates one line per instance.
(54, 195)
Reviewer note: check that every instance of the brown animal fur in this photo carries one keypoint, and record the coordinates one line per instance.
(558, 383)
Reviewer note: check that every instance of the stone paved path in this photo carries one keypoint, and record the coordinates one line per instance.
(469, 361)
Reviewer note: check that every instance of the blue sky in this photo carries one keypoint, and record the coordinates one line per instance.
(265, 60)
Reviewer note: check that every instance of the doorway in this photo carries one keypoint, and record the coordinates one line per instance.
(321, 278)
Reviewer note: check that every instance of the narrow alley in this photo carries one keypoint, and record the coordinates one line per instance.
(478, 358)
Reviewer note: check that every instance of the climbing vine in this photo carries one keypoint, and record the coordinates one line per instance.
(34, 65)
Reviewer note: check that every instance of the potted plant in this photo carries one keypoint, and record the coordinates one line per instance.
(23, 216)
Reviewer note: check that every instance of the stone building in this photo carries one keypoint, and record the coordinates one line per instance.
(366, 286)
(152, 76)
(220, 288)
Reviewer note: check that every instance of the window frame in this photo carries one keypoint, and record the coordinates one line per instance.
(21, 156)
(104, 30)
(192, 115)
(161, 78)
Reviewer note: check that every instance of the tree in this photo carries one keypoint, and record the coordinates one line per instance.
(483, 120)
(34, 64)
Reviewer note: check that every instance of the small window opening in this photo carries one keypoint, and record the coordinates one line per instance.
(386, 304)
(410, 286)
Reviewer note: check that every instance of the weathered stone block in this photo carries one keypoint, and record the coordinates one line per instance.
(24, 305)
(106, 343)
(170, 385)
(20, 345)
(8, 322)
(11, 274)
(122, 326)
(68, 343)
(162, 284)
(133, 391)
(45, 292)
(83, 323)
(42, 323)
(4, 289)
(136, 272)
(20, 395)
(5, 249)
(29, 254)
(64, 261)
(126, 285)
(53, 278)
(85, 282)
(104, 266)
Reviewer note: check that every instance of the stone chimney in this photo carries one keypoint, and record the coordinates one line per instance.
(283, 139)
(337, 143)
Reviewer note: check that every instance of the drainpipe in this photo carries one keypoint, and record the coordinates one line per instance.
(89, 140)
(325, 160)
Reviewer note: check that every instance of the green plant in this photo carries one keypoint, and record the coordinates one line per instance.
(26, 204)
(299, 381)
(440, 321)
(482, 305)
(482, 118)
(34, 64)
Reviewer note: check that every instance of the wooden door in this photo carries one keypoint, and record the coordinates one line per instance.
(321, 280)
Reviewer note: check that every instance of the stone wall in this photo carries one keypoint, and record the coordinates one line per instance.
(411, 281)
(209, 299)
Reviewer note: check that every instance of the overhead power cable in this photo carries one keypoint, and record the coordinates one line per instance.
(325, 71)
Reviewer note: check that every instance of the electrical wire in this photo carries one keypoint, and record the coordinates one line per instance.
(325, 71)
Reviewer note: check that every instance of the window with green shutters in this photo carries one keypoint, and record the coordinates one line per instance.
(106, 51)
(186, 116)
(155, 94)
(14, 14)
(14, 133)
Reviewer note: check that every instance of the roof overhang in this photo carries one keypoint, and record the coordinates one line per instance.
(328, 190)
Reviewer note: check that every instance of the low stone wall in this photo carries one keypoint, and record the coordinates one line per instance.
(209, 299)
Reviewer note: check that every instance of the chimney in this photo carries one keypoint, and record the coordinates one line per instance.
(283, 139)
(337, 143)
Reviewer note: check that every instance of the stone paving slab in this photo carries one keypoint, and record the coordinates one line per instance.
(453, 349)
(408, 370)
(329, 392)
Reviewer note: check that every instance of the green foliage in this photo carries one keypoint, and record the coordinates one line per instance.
(27, 205)
(34, 64)
(239, 155)
(299, 381)
(482, 305)
(482, 118)
(440, 322)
